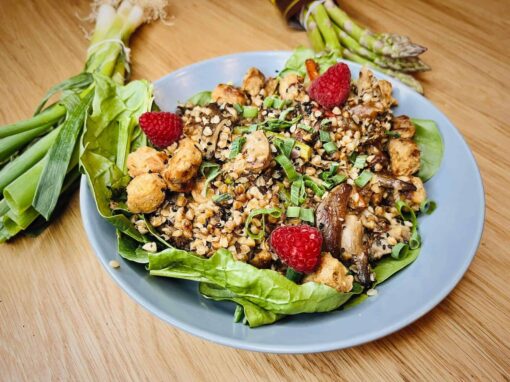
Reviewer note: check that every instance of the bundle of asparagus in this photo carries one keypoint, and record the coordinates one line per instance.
(330, 29)
(39, 157)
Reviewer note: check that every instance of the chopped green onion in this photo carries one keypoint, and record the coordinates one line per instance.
(306, 128)
(307, 215)
(415, 240)
(332, 171)
(324, 136)
(408, 214)
(250, 111)
(399, 251)
(221, 198)
(325, 122)
(279, 103)
(337, 179)
(363, 178)
(330, 147)
(236, 147)
(284, 113)
(287, 166)
(293, 275)
(427, 206)
(352, 157)
(285, 145)
(238, 107)
(274, 212)
(293, 211)
(317, 189)
(268, 102)
(360, 161)
(297, 192)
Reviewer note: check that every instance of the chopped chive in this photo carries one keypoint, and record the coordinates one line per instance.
(317, 190)
(274, 212)
(293, 211)
(330, 147)
(427, 206)
(297, 192)
(221, 198)
(285, 145)
(324, 136)
(325, 122)
(238, 107)
(399, 251)
(293, 275)
(279, 103)
(360, 161)
(268, 102)
(287, 166)
(236, 147)
(250, 111)
(363, 178)
(307, 215)
(306, 128)
(284, 113)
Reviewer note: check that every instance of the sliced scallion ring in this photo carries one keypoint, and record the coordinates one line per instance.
(427, 206)
(293, 211)
(287, 166)
(324, 136)
(274, 212)
(250, 112)
(307, 215)
(330, 147)
(399, 251)
(360, 161)
(238, 107)
(363, 178)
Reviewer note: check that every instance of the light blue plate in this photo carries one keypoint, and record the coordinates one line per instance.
(450, 239)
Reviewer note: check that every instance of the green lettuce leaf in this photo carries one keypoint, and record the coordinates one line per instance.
(388, 266)
(254, 315)
(296, 62)
(431, 146)
(130, 249)
(106, 141)
(201, 98)
(265, 288)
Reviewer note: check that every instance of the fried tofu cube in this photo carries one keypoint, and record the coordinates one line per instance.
(145, 193)
(333, 273)
(404, 156)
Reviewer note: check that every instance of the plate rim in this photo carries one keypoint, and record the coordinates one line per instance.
(447, 288)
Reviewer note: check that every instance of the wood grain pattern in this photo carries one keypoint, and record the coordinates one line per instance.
(63, 318)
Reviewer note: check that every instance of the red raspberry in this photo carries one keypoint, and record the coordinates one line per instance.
(299, 246)
(332, 87)
(161, 128)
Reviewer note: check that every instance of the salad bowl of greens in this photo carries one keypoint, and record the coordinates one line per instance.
(279, 315)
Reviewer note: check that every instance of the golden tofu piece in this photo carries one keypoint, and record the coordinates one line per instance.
(145, 193)
(404, 156)
(333, 273)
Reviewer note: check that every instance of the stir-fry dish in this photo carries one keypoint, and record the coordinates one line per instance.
(306, 183)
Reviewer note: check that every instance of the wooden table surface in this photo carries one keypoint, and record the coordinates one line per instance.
(62, 317)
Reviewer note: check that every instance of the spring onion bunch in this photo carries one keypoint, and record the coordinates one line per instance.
(329, 28)
(39, 157)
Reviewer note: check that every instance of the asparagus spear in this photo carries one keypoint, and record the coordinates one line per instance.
(403, 77)
(323, 22)
(408, 64)
(314, 35)
(387, 45)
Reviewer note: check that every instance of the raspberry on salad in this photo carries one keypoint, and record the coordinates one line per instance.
(332, 87)
(162, 128)
(298, 246)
